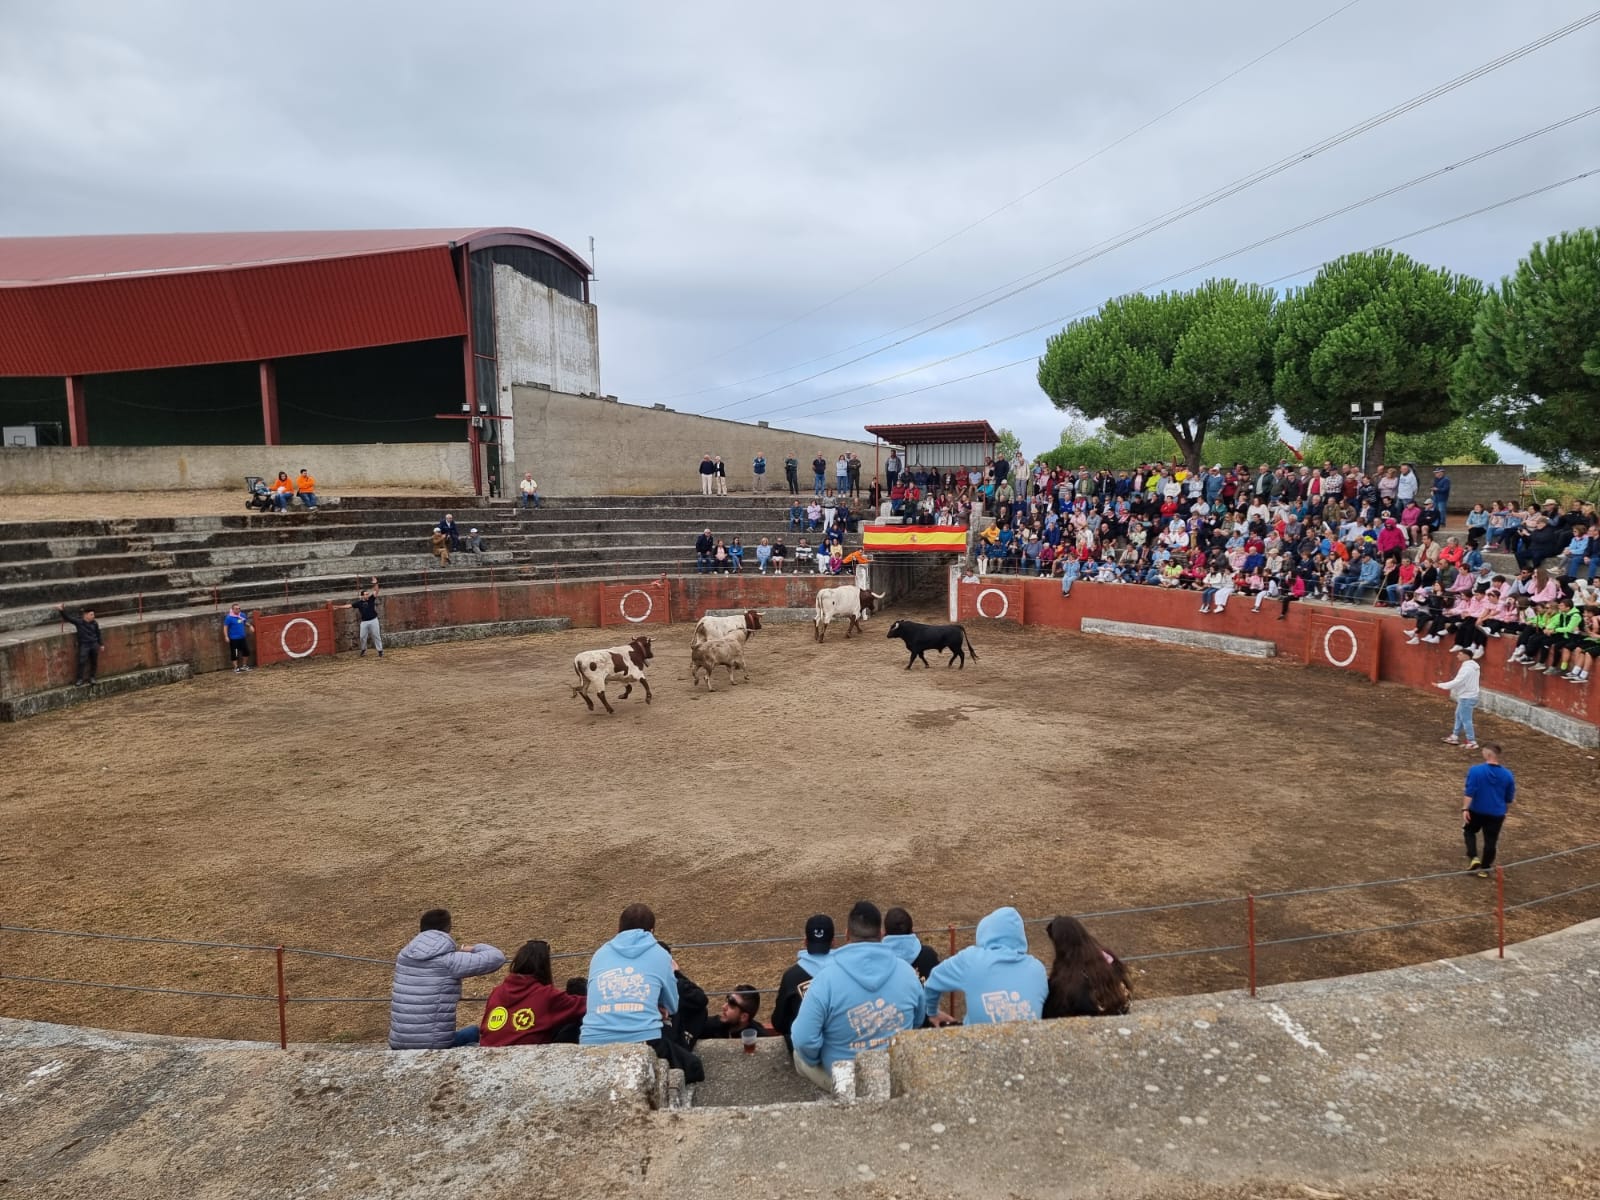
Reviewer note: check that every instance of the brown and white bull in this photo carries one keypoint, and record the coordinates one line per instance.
(847, 602)
(725, 651)
(596, 668)
(709, 628)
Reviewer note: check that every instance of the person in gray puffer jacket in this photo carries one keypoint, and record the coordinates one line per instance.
(427, 987)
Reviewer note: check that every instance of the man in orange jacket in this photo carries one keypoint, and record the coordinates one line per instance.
(306, 488)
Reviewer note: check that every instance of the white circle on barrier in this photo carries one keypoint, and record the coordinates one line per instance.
(1327, 645)
(649, 605)
(283, 637)
(1005, 604)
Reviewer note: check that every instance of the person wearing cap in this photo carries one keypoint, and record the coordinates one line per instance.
(738, 1013)
(866, 996)
(474, 542)
(1488, 794)
(812, 958)
(998, 979)
(1463, 689)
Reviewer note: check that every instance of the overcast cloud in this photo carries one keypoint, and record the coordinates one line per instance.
(740, 165)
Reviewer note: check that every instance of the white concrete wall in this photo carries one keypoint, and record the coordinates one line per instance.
(544, 338)
(426, 466)
(575, 445)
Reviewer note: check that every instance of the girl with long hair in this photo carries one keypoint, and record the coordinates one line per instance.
(1086, 980)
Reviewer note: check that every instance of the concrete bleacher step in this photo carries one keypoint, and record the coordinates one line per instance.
(467, 633)
(1199, 639)
(32, 705)
(736, 1079)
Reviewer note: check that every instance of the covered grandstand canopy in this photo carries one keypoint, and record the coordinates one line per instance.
(940, 443)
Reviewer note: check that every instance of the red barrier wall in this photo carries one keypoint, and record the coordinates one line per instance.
(636, 603)
(35, 664)
(1379, 636)
(289, 637)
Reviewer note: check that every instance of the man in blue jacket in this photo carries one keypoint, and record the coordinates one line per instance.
(998, 978)
(427, 986)
(632, 988)
(865, 997)
(1490, 791)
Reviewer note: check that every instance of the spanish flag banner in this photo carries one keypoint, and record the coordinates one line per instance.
(945, 539)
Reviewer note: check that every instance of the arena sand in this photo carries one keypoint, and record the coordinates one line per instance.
(324, 804)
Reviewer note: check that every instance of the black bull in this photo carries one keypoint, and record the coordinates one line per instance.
(920, 638)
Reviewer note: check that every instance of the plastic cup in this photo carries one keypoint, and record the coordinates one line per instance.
(748, 1037)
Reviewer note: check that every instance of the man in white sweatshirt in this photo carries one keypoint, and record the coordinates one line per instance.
(1463, 689)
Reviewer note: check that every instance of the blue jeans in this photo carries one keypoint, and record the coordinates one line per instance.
(309, 499)
(465, 1037)
(1066, 585)
(702, 563)
(1463, 725)
(281, 499)
(531, 500)
(817, 486)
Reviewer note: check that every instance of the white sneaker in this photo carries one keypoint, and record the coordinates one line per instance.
(1411, 639)
(1432, 639)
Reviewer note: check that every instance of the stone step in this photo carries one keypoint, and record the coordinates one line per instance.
(32, 705)
(467, 633)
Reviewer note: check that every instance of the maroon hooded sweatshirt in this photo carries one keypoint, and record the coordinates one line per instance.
(521, 1011)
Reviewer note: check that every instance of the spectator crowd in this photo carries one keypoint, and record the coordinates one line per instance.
(834, 1002)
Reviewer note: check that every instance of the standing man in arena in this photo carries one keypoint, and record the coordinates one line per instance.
(236, 628)
(759, 469)
(89, 644)
(791, 473)
(1490, 790)
(366, 605)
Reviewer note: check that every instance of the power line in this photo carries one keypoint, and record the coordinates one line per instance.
(1539, 191)
(1072, 262)
(992, 213)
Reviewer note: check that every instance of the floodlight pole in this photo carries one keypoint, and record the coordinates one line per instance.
(1358, 413)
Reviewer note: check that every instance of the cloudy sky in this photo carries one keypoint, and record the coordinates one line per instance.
(774, 192)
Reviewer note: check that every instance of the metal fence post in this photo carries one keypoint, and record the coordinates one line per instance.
(1250, 934)
(283, 1005)
(1500, 907)
(951, 997)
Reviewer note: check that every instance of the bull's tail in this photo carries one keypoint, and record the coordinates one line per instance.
(968, 640)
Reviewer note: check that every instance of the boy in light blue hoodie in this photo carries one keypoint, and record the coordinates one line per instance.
(998, 978)
(865, 996)
(630, 983)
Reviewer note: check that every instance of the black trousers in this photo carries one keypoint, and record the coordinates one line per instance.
(1490, 827)
(88, 663)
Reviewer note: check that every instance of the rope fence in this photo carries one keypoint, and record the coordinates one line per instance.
(1250, 945)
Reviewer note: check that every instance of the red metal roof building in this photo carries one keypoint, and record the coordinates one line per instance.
(82, 310)
(940, 443)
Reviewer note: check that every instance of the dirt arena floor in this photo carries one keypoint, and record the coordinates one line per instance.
(323, 805)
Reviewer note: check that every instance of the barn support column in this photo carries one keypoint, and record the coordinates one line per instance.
(269, 403)
(77, 413)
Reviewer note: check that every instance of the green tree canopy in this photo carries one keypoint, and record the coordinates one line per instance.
(1372, 326)
(1099, 450)
(1006, 443)
(1461, 441)
(1186, 363)
(1533, 366)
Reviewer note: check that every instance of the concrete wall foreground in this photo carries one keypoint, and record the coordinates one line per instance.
(427, 466)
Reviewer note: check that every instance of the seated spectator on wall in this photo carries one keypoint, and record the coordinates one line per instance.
(899, 939)
(721, 560)
(1086, 980)
(632, 985)
(830, 1027)
(529, 490)
(474, 541)
(738, 1013)
(804, 555)
(998, 979)
(526, 1008)
(427, 986)
(736, 554)
(763, 555)
(450, 530)
(797, 517)
(705, 546)
(282, 489)
(780, 555)
(796, 980)
(441, 546)
(306, 488)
